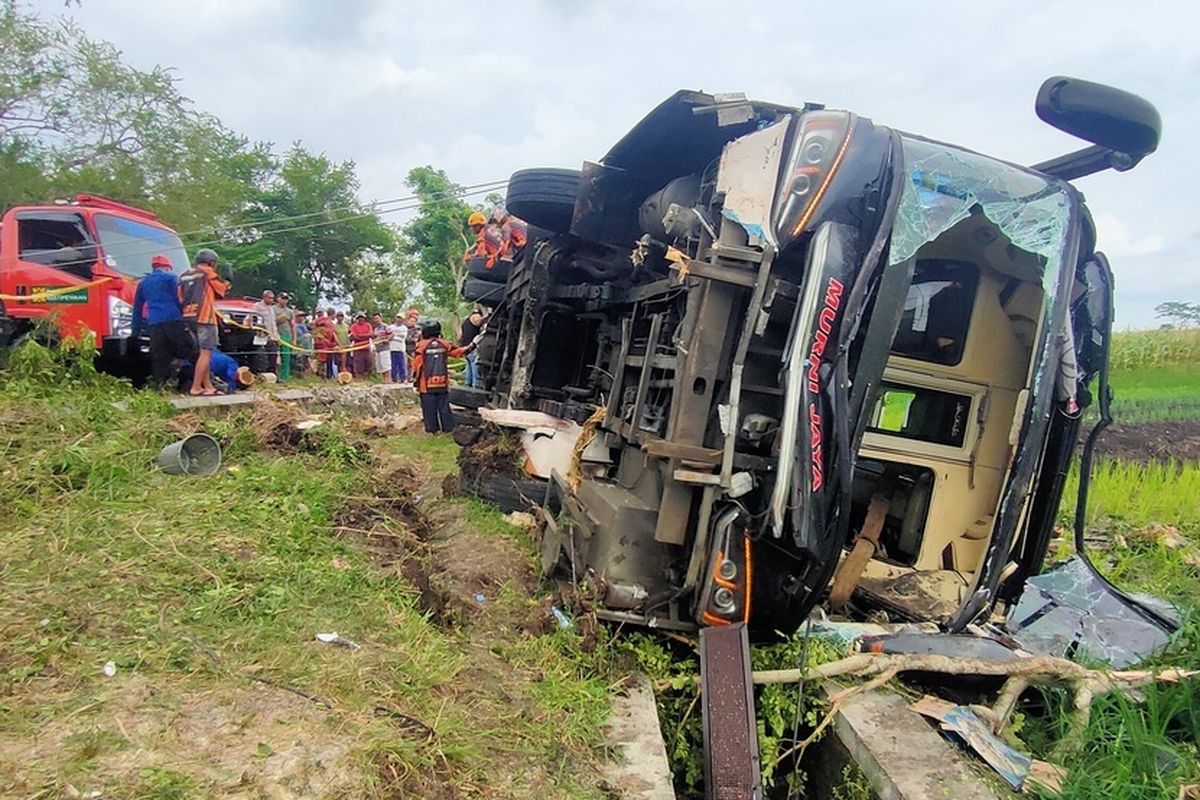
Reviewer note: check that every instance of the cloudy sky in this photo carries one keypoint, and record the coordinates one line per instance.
(482, 89)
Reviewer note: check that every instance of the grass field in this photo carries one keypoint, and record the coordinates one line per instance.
(205, 595)
(1150, 514)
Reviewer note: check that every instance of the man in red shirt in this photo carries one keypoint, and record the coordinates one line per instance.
(199, 289)
(361, 333)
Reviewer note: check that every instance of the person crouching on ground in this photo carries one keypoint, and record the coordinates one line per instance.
(431, 371)
(223, 368)
(361, 333)
(199, 289)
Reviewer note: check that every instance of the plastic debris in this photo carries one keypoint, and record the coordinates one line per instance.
(109, 669)
(337, 640)
(564, 622)
(308, 424)
(479, 598)
(1012, 765)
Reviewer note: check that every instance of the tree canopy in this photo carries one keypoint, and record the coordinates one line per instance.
(75, 117)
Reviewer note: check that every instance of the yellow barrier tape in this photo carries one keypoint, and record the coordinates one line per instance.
(290, 345)
(43, 295)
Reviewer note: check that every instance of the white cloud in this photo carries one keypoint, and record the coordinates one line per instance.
(1116, 239)
(485, 90)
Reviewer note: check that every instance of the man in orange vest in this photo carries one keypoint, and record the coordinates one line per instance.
(199, 289)
(432, 374)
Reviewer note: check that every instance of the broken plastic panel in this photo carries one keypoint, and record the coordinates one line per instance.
(1069, 612)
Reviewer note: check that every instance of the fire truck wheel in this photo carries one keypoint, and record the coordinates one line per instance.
(544, 197)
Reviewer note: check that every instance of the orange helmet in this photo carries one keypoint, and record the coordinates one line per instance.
(476, 218)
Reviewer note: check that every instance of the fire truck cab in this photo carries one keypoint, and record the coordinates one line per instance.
(75, 265)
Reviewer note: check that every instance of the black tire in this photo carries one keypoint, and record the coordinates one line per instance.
(509, 494)
(468, 397)
(476, 268)
(544, 197)
(477, 291)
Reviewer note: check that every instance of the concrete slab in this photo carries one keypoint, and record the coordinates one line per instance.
(369, 399)
(901, 755)
(642, 771)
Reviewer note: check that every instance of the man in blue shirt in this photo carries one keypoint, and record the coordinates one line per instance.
(156, 312)
(221, 366)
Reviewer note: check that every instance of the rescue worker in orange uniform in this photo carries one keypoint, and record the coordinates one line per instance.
(515, 233)
(489, 240)
(432, 374)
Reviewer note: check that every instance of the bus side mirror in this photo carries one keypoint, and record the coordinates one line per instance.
(1112, 118)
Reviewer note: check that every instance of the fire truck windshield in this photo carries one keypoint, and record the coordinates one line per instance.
(129, 244)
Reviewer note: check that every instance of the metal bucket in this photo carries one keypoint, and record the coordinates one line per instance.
(197, 455)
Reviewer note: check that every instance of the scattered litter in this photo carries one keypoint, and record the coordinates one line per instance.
(563, 621)
(308, 424)
(70, 791)
(1069, 612)
(1012, 765)
(109, 669)
(43, 622)
(522, 519)
(1050, 777)
(479, 598)
(337, 640)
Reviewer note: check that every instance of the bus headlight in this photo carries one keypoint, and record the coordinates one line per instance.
(817, 153)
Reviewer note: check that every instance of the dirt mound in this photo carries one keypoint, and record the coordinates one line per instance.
(493, 452)
(1152, 441)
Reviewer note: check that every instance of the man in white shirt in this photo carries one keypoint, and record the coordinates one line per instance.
(265, 309)
(396, 350)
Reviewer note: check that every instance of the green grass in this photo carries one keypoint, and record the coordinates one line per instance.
(202, 589)
(1141, 749)
(1155, 393)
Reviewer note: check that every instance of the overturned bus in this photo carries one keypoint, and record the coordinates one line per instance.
(760, 356)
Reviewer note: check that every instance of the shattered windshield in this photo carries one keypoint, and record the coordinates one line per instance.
(944, 184)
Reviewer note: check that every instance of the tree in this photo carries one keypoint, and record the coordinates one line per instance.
(74, 117)
(437, 236)
(1180, 314)
(306, 231)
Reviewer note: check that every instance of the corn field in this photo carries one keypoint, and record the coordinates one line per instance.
(1134, 349)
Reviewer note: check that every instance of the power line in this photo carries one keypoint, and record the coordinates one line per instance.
(463, 191)
(310, 226)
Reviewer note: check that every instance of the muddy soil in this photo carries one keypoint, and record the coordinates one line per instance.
(1177, 440)
(489, 451)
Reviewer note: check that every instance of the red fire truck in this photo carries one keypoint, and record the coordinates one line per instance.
(76, 265)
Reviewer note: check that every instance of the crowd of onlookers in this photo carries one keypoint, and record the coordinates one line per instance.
(179, 315)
